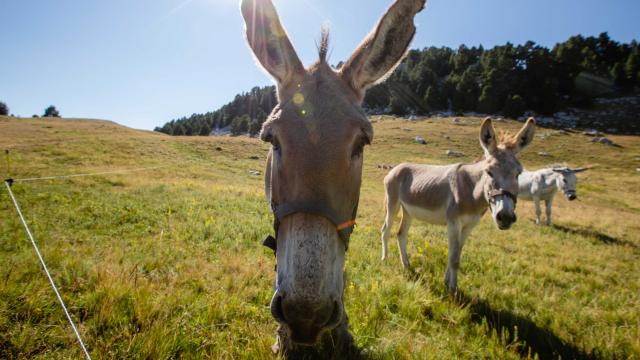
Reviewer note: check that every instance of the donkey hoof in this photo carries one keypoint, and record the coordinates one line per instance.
(453, 290)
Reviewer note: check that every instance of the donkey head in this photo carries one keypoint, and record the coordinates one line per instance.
(502, 169)
(567, 181)
(318, 132)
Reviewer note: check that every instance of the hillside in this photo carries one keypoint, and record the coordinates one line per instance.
(167, 262)
(574, 75)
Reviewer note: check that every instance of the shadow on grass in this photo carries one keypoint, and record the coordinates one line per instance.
(603, 238)
(535, 339)
(336, 345)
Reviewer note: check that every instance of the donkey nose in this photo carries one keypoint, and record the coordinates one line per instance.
(307, 319)
(506, 219)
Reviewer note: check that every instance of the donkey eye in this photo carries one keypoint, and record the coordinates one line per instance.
(489, 173)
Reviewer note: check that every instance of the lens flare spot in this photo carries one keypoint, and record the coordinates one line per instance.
(298, 99)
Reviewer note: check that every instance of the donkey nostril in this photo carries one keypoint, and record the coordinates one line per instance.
(276, 308)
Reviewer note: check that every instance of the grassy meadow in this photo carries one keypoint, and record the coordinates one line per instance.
(167, 262)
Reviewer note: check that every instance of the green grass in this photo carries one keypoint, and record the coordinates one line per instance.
(167, 263)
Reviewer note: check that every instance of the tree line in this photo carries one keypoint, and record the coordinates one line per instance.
(245, 114)
(506, 79)
(50, 111)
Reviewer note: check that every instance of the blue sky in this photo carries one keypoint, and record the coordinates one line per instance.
(144, 62)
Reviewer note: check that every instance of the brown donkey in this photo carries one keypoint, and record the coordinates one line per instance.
(457, 195)
(313, 173)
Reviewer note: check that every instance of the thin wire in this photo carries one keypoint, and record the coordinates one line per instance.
(90, 174)
(46, 270)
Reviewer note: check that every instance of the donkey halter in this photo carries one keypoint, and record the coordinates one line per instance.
(343, 227)
(502, 192)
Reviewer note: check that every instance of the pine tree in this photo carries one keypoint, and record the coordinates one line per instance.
(205, 130)
(4, 109)
(434, 100)
(51, 111)
(179, 130)
(619, 75)
(254, 127)
(466, 92)
(488, 102)
(396, 107)
(240, 125)
(632, 67)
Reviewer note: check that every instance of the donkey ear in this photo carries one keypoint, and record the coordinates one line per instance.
(579, 170)
(269, 41)
(525, 135)
(488, 139)
(383, 49)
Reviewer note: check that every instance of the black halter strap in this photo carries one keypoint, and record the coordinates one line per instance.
(344, 227)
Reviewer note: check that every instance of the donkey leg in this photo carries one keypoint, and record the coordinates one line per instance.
(548, 204)
(454, 233)
(391, 208)
(465, 231)
(403, 234)
(536, 202)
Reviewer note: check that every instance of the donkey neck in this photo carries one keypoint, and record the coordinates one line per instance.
(550, 179)
(473, 178)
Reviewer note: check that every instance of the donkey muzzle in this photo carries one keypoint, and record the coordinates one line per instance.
(306, 320)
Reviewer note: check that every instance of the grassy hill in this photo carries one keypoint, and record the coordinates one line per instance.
(167, 262)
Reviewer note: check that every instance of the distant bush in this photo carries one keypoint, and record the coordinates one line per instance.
(51, 111)
(35, 116)
(4, 109)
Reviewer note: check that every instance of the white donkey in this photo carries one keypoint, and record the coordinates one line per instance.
(544, 183)
(457, 195)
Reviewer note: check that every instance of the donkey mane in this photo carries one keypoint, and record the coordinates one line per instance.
(323, 47)
(508, 140)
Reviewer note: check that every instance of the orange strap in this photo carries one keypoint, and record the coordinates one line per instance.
(346, 224)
